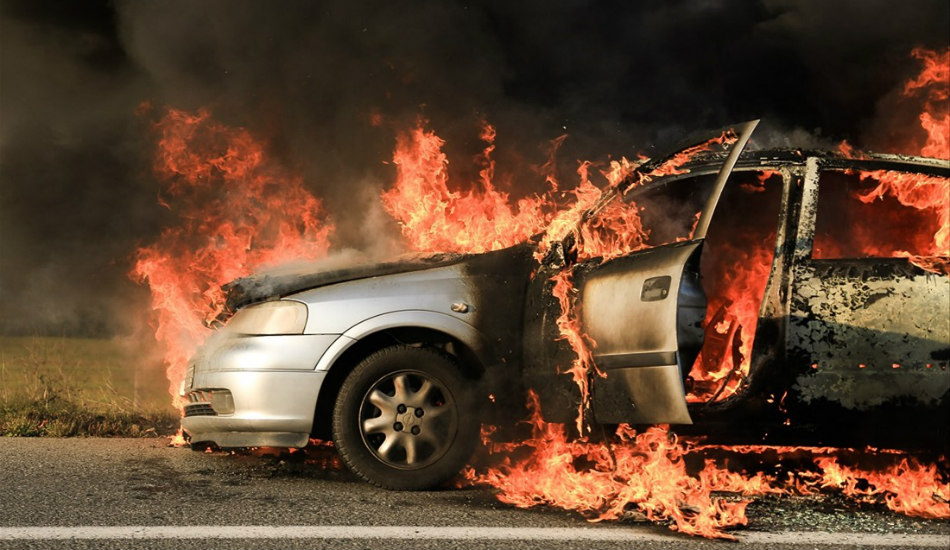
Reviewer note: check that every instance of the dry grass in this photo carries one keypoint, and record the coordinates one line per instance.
(81, 387)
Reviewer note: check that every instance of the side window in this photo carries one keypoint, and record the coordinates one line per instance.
(860, 217)
(662, 213)
(669, 212)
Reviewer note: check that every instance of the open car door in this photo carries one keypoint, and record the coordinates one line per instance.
(641, 314)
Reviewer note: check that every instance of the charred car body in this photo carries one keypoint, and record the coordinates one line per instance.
(396, 361)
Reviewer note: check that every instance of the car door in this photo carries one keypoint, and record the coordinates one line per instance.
(867, 328)
(640, 314)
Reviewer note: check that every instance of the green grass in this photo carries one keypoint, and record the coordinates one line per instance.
(54, 386)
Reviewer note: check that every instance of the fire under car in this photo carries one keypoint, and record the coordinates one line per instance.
(775, 297)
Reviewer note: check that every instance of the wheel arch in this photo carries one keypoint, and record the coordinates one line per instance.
(430, 329)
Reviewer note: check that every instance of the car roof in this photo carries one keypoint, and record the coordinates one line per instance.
(777, 158)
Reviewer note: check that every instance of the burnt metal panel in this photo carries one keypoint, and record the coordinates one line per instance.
(873, 330)
(630, 309)
(498, 282)
(545, 352)
(638, 348)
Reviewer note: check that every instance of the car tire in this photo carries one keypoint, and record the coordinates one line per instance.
(405, 418)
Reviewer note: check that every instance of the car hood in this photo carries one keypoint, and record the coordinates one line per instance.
(265, 286)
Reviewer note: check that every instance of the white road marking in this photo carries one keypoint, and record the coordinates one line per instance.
(360, 532)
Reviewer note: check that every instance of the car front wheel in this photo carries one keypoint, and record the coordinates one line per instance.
(405, 418)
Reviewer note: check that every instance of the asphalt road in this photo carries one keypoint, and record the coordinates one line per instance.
(121, 493)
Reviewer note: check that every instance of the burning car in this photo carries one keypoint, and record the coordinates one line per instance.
(802, 311)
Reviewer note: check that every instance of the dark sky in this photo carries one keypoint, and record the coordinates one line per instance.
(77, 195)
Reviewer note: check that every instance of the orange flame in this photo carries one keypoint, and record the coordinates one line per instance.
(611, 227)
(614, 230)
(908, 487)
(570, 330)
(233, 203)
(236, 212)
(732, 315)
(435, 218)
(934, 81)
(929, 194)
(645, 471)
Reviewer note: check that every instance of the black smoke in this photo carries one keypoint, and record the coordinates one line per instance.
(77, 195)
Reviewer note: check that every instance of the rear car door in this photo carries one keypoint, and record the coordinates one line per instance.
(640, 314)
(869, 324)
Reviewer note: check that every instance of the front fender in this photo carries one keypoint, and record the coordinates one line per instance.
(433, 320)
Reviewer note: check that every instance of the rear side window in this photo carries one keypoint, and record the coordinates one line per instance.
(858, 217)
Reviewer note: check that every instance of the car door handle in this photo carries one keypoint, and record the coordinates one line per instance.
(656, 288)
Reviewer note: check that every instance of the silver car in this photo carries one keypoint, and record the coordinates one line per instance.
(400, 362)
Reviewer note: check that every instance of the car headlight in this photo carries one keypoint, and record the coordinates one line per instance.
(278, 317)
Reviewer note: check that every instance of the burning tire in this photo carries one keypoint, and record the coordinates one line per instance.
(405, 418)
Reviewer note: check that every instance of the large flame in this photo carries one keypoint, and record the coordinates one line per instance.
(646, 473)
(933, 82)
(472, 218)
(604, 229)
(434, 217)
(643, 471)
(928, 194)
(732, 315)
(909, 486)
(235, 212)
(735, 283)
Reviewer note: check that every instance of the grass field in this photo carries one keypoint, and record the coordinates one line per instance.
(59, 386)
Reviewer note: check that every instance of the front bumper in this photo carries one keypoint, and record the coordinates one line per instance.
(254, 391)
(272, 409)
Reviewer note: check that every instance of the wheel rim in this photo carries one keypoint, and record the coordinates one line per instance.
(408, 419)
